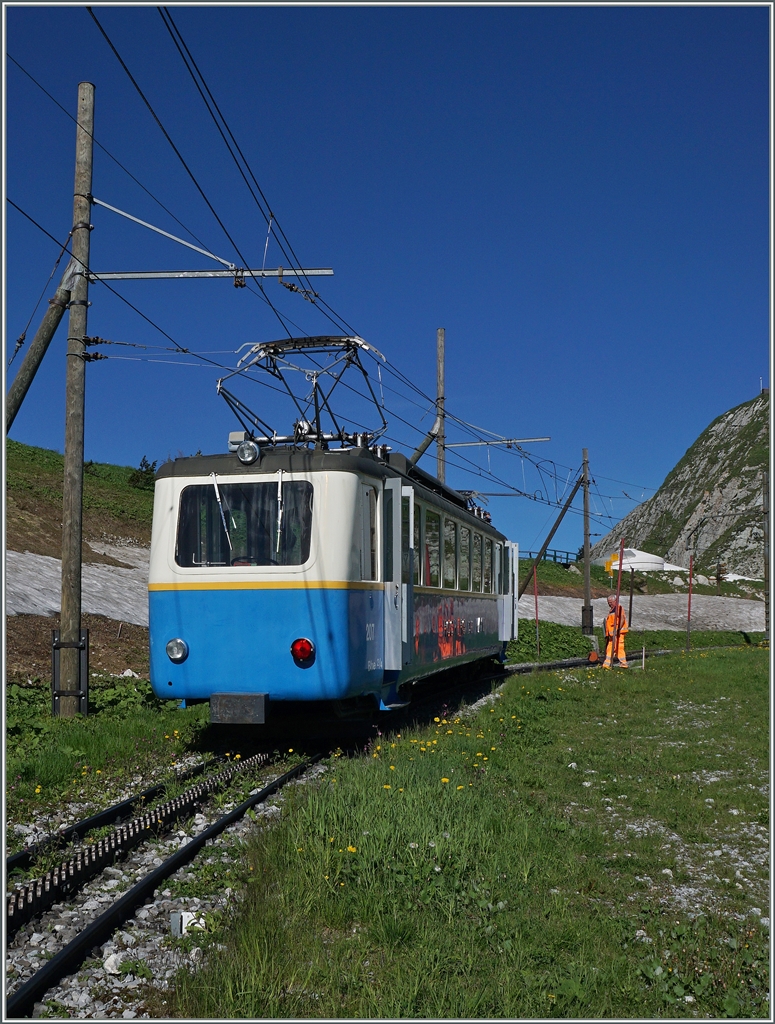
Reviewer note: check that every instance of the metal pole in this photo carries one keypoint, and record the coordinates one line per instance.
(689, 609)
(48, 325)
(440, 460)
(632, 584)
(535, 591)
(72, 498)
(587, 612)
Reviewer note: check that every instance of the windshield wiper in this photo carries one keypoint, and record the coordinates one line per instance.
(279, 509)
(220, 506)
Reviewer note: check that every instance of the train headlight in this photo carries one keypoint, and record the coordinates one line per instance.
(303, 651)
(248, 452)
(177, 650)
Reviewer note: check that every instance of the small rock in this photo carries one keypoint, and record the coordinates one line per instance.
(113, 963)
(668, 872)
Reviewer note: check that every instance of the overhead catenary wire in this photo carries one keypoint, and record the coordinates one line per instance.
(245, 169)
(23, 336)
(136, 180)
(182, 160)
(197, 76)
(461, 462)
(467, 465)
(547, 470)
(106, 151)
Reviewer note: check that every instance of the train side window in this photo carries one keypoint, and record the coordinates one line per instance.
(387, 536)
(487, 565)
(499, 569)
(477, 563)
(404, 540)
(464, 575)
(417, 546)
(432, 545)
(369, 566)
(450, 531)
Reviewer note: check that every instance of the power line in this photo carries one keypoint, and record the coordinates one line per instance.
(105, 150)
(183, 162)
(268, 215)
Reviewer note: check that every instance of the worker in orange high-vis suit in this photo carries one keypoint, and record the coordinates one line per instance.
(615, 623)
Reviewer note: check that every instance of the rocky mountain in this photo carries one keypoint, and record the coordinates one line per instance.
(710, 504)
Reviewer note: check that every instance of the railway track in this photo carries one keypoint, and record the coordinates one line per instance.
(110, 816)
(31, 898)
(73, 953)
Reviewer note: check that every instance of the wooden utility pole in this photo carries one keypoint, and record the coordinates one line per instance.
(587, 610)
(440, 457)
(72, 499)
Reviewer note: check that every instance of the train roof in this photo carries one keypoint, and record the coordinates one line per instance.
(303, 460)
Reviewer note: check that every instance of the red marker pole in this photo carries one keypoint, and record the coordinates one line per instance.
(689, 610)
(535, 591)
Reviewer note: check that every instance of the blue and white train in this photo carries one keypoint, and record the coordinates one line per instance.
(282, 573)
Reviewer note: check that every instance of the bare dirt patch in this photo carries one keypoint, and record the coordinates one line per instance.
(35, 525)
(113, 646)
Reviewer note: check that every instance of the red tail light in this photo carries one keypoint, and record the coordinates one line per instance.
(303, 651)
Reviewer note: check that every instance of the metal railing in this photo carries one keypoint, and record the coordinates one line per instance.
(551, 555)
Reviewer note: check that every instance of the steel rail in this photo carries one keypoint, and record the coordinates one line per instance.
(538, 666)
(35, 896)
(110, 816)
(71, 956)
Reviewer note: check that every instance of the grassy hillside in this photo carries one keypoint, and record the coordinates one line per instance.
(117, 502)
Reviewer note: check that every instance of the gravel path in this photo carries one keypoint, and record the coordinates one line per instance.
(658, 611)
(33, 585)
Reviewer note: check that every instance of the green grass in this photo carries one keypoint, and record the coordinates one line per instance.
(38, 473)
(51, 761)
(552, 855)
(560, 642)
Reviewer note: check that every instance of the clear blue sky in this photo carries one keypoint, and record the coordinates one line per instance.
(578, 195)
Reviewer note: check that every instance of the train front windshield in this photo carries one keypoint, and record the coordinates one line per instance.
(244, 524)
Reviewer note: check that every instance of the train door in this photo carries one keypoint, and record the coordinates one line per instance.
(391, 569)
(513, 549)
(408, 556)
